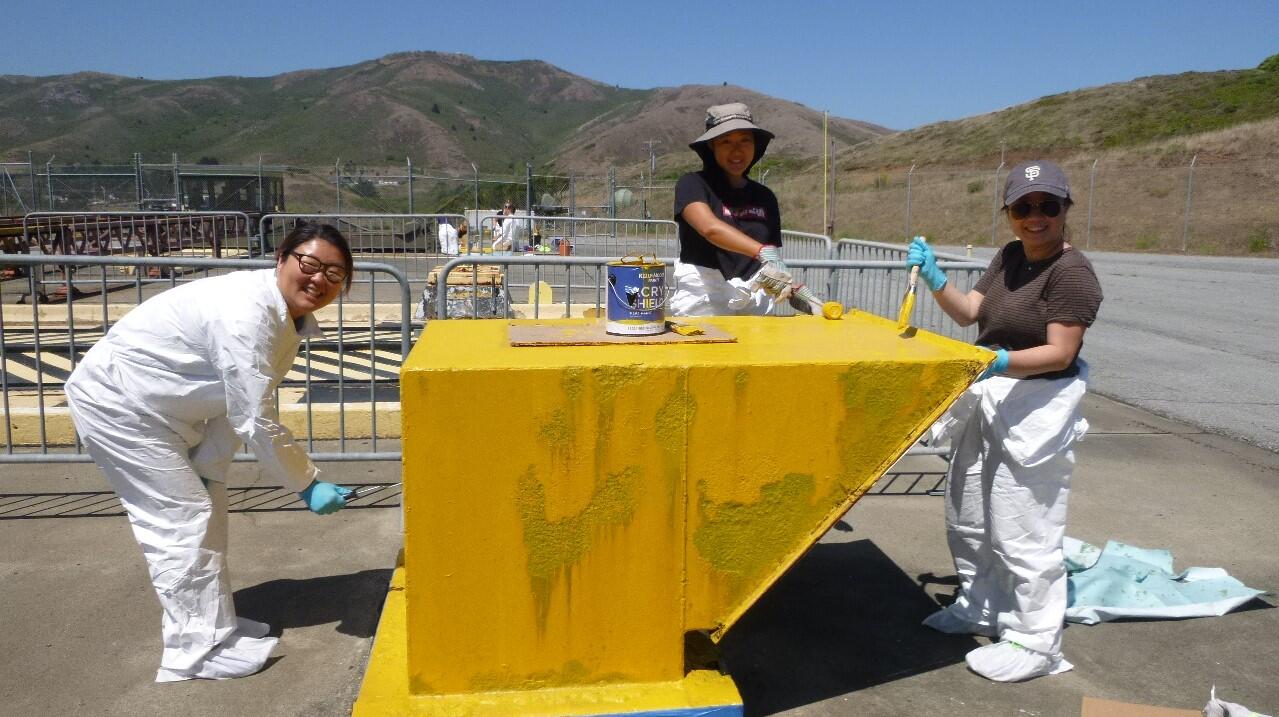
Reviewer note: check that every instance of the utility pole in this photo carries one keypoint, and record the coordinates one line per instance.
(825, 171)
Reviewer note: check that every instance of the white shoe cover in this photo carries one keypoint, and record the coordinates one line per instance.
(238, 656)
(945, 620)
(1009, 662)
(251, 628)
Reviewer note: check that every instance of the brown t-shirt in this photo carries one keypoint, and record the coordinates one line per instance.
(1021, 298)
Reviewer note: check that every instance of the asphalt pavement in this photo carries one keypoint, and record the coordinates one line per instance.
(1187, 337)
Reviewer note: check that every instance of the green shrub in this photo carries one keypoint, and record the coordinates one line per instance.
(1259, 237)
(1146, 241)
(976, 186)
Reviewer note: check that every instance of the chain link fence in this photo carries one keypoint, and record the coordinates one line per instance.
(1160, 203)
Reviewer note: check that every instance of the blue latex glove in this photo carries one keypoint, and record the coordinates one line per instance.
(998, 366)
(324, 498)
(921, 255)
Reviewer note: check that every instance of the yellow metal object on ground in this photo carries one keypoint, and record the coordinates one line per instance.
(625, 496)
(832, 310)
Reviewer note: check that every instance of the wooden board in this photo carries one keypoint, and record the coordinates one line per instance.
(463, 276)
(591, 333)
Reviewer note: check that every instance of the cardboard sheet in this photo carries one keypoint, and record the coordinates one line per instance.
(591, 333)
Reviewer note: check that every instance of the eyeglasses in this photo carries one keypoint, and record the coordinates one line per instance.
(335, 273)
(1049, 208)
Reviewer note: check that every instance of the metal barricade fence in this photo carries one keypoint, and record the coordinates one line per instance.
(141, 233)
(605, 238)
(802, 245)
(409, 241)
(341, 395)
(876, 287)
(881, 281)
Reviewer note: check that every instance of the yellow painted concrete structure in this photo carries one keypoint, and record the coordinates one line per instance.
(624, 496)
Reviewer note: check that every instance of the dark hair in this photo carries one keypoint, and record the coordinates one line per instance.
(304, 232)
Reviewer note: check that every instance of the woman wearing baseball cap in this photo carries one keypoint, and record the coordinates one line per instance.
(1013, 431)
(730, 228)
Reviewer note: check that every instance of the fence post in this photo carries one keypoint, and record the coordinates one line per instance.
(994, 207)
(409, 162)
(31, 174)
(48, 180)
(1092, 181)
(337, 183)
(477, 196)
(908, 180)
(572, 210)
(1190, 190)
(612, 192)
(177, 182)
(528, 187)
(261, 193)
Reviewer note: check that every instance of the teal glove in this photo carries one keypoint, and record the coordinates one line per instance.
(324, 498)
(999, 365)
(921, 255)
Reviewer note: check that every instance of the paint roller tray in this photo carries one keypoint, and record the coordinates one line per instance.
(590, 332)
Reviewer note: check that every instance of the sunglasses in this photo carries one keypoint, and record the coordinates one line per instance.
(1049, 208)
(310, 265)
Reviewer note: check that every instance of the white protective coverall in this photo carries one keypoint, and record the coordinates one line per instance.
(509, 234)
(1006, 495)
(700, 291)
(448, 239)
(162, 403)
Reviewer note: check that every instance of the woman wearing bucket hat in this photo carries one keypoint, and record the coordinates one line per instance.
(1013, 431)
(730, 230)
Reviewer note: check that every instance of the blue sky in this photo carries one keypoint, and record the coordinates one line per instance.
(899, 64)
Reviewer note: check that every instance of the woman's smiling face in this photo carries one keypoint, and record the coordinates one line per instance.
(734, 151)
(306, 293)
(1037, 227)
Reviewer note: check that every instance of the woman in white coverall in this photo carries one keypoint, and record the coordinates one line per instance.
(163, 402)
(730, 228)
(1012, 431)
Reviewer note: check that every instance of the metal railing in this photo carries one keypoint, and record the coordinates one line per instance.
(350, 376)
(410, 241)
(803, 245)
(142, 233)
(874, 286)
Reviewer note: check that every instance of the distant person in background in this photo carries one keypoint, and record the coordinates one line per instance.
(1013, 431)
(730, 227)
(449, 237)
(505, 230)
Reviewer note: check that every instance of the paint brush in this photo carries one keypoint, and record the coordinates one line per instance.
(365, 490)
(908, 301)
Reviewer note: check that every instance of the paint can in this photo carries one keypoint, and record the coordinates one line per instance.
(636, 297)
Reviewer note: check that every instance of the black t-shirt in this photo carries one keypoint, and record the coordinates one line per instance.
(1021, 298)
(752, 209)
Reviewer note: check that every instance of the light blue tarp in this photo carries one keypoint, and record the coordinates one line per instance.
(1126, 581)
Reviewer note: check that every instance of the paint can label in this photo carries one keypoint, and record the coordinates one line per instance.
(636, 297)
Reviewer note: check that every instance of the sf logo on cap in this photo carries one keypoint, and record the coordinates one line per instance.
(1032, 172)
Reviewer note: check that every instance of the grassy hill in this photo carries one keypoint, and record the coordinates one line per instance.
(443, 110)
(1120, 115)
(1126, 146)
